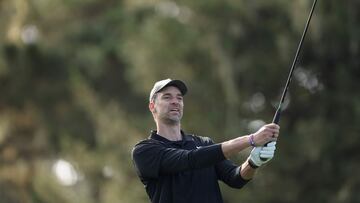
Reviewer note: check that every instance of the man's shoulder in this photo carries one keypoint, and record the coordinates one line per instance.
(146, 146)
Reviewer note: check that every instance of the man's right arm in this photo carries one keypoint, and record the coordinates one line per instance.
(267, 133)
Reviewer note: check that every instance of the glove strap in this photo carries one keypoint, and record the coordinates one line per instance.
(252, 165)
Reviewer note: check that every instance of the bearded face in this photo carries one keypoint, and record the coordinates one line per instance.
(168, 106)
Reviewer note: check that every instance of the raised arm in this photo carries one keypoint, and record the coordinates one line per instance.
(267, 133)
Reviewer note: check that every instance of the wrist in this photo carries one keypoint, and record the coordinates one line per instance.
(251, 140)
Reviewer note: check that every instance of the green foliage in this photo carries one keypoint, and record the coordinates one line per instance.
(75, 78)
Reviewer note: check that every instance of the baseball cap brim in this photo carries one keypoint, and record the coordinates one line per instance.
(176, 83)
(160, 85)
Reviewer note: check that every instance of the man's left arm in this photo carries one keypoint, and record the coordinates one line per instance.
(230, 174)
(258, 157)
(238, 176)
(247, 172)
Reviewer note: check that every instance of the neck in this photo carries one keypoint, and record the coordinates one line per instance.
(170, 132)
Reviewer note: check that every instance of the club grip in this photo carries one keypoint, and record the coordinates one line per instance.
(276, 120)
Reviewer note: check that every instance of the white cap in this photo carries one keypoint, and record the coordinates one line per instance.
(159, 85)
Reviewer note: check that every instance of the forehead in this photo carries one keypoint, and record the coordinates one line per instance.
(170, 90)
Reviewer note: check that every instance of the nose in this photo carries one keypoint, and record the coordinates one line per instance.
(175, 101)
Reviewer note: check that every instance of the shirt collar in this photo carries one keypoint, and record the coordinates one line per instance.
(158, 137)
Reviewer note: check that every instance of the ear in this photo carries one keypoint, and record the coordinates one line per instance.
(151, 106)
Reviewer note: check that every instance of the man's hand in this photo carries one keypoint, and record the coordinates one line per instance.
(267, 133)
(266, 152)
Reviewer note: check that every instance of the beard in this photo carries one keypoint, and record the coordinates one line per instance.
(169, 118)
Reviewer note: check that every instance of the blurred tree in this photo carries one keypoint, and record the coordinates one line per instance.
(75, 78)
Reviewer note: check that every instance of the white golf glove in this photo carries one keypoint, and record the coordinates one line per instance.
(265, 152)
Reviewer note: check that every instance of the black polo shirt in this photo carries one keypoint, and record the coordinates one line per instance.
(185, 171)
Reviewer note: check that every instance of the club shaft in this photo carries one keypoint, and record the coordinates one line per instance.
(276, 118)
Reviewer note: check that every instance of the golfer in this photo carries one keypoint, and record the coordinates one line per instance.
(177, 167)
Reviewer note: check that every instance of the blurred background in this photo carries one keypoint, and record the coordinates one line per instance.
(75, 76)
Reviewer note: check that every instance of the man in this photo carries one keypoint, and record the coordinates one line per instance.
(176, 167)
